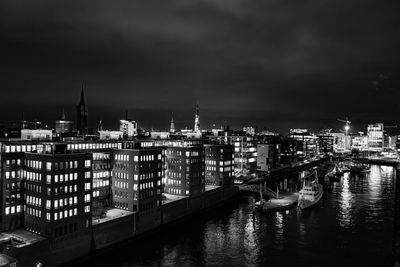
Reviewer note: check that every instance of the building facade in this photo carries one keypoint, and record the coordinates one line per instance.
(184, 175)
(219, 164)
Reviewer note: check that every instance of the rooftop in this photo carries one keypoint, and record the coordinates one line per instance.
(112, 214)
(171, 198)
(21, 237)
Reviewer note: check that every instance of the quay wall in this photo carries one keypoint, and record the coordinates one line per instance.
(113, 231)
(105, 234)
(174, 210)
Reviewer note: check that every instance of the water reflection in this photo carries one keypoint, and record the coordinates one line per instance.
(279, 230)
(346, 200)
(353, 227)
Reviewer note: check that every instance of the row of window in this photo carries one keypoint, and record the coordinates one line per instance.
(101, 156)
(14, 162)
(175, 191)
(100, 183)
(96, 193)
(61, 178)
(119, 184)
(104, 174)
(61, 165)
(221, 169)
(34, 201)
(174, 182)
(222, 163)
(62, 214)
(34, 212)
(33, 176)
(34, 188)
(22, 148)
(83, 146)
(187, 153)
(122, 157)
(13, 209)
(59, 203)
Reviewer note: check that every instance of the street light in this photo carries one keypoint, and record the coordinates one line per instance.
(347, 128)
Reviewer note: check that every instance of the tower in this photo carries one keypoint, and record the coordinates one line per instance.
(63, 115)
(172, 125)
(82, 115)
(197, 119)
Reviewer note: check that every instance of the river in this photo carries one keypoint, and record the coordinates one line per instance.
(351, 226)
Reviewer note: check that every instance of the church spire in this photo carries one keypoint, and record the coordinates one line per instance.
(172, 125)
(82, 102)
(197, 119)
(63, 115)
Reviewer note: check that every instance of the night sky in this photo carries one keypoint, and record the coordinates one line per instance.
(268, 63)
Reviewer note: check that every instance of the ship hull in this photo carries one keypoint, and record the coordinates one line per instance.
(304, 203)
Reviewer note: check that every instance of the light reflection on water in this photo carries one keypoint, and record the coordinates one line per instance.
(350, 226)
(346, 201)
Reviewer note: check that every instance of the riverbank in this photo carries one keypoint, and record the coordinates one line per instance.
(118, 228)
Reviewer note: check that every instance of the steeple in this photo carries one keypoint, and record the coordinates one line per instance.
(126, 115)
(63, 115)
(82, 102)
(197, 119)
(172, 125)
(82, 115)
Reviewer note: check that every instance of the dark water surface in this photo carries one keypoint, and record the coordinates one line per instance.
(351, 226)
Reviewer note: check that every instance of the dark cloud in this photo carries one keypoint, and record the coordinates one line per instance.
(274, 63)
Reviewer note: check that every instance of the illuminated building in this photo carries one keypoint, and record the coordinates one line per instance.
(184, 175)
(82, 115)
(307, 145)
(58, 196)
(101, 182)
(159, 135)
(136, 179)
(197, 119)
(245, 151)
(249, 130)
(325, 141)
(36, 134)
(219, 161)
(359, 142)
(12, 157)
(128, 127)
(110, 135)
(63, 126)
(375, 137)
(268, 156)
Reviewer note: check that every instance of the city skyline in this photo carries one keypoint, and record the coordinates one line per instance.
(267, 64)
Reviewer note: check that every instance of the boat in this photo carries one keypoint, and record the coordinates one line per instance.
(334, 174)
(310, 193)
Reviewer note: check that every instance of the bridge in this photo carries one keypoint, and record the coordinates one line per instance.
(277, 175)
(378, 161)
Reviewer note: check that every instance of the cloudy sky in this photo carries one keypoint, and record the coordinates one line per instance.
(269, 63)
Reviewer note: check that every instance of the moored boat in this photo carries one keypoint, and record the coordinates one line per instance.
(310, 193)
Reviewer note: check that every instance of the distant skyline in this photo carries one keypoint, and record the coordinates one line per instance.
(273, 64)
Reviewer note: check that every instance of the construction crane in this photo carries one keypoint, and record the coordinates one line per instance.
(347, 126)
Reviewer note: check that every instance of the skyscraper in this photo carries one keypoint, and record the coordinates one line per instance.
(197, 119)
(82, 115)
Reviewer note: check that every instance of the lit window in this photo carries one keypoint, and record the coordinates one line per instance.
(48, 166)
